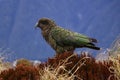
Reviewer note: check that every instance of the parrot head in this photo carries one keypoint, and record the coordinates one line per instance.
(45, 23)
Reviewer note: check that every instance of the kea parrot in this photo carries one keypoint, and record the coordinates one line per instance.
(62, 40)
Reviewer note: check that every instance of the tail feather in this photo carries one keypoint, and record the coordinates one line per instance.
(92, 46)
(93, 40)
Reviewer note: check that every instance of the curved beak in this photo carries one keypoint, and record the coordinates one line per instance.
(36, 25)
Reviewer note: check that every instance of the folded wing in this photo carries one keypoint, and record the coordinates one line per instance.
(68, 38)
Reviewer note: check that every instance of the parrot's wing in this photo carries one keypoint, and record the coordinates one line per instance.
(68, 38)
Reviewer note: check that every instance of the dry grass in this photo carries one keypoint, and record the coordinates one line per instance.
(115, 58)
(115, 69)
(4, 65)
(65, 67)
(72, 67)
(49, 73)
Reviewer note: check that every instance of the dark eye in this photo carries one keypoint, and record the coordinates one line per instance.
(44, 22)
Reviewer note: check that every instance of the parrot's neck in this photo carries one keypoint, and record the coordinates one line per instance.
(46, 32)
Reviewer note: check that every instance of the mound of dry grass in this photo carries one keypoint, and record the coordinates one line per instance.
(66, 66)
(76, 67)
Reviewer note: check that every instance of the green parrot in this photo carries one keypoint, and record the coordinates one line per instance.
(62, 40)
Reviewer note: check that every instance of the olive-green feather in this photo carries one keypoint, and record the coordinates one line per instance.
(69, 38)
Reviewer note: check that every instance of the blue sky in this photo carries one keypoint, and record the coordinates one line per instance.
(97, 18)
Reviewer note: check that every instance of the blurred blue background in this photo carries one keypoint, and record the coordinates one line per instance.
(96, 18)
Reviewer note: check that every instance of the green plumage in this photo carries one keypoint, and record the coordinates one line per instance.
(62, 40)
(67, 37)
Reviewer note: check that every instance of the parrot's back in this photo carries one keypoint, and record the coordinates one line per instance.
(65, 37)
